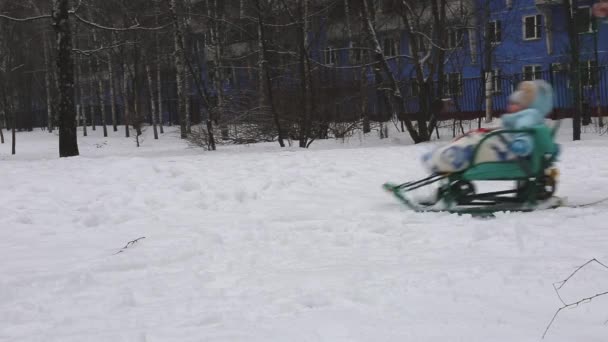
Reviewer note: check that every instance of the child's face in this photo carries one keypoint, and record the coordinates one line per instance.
(514, 107)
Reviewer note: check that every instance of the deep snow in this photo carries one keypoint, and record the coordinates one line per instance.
(258, 243)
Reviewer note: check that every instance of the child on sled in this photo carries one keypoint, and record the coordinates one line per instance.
(528, 106)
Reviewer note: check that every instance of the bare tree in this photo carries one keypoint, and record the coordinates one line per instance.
(68, 144)
(180, 69)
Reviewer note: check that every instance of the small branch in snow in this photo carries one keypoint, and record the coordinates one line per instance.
(558, 285)
(129, 244)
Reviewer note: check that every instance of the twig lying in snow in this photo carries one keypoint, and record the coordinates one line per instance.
(130, 243)
(558, 285)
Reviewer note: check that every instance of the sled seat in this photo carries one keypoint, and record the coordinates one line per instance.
(543, 155)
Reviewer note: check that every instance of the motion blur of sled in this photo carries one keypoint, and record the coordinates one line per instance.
(522, 151)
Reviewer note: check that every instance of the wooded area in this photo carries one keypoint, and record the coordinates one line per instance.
(237, 71)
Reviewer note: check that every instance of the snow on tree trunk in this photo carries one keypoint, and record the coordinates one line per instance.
(68, 143)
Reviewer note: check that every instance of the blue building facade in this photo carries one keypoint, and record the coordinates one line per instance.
(528, 40)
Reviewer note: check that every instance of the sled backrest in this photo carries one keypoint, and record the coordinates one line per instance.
(544, 153)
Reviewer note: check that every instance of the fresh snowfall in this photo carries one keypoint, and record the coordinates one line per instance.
(168, 242)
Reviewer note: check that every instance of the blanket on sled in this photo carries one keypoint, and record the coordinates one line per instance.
(528, 107)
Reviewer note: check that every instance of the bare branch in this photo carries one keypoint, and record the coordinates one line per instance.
(135, 27)
(571, 305)
(90, 52)
(45, 16)
(129, 244)
(560, 284)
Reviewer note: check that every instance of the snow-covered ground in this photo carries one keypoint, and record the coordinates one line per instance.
(258, 243)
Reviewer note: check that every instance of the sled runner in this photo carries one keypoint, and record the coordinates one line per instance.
(534, 176)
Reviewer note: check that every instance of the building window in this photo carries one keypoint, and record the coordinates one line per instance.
(496, 81)
(588, 73)
(456, 38)
(389, 47)
(532, 72)
(495, 31)
(584, 21)
(414, 87)
(453, 84)
(558, 67)
(532, 27)
(355, 56)
(330, 56)
(419, 43)
(232, 76)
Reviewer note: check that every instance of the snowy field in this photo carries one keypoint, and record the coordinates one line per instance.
(258, 243)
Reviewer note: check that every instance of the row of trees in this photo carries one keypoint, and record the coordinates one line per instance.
(235, 71)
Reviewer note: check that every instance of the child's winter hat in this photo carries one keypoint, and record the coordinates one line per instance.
(525, 94)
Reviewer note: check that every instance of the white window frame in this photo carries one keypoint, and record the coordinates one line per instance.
(356, 56)
(590, 75)
(330, 56)
(419, 41)
(448, 83)
(414, 87)
(534, 70)
(591, 19)
(456, 38)
(496, 81)
(393, 47)
(494, 24)
(538, 30)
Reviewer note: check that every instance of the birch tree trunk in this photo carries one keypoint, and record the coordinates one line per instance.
(91, 88)
(187, 108)
(266, 95)
(2, 116)
(102, 104)
(112, 92)
(125, 96)
(81, 112)
(397, 98)
(14, 135)
(152, 102)
(68, 143)
(99, 94)
(159, 73)
(180, 70)
(100, 87)
(47, 83)
(160, 96)
(305, 120)
(212, 12)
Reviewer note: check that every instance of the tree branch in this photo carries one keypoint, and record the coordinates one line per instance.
(560, 284)
(45, 16)
(135, 27)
